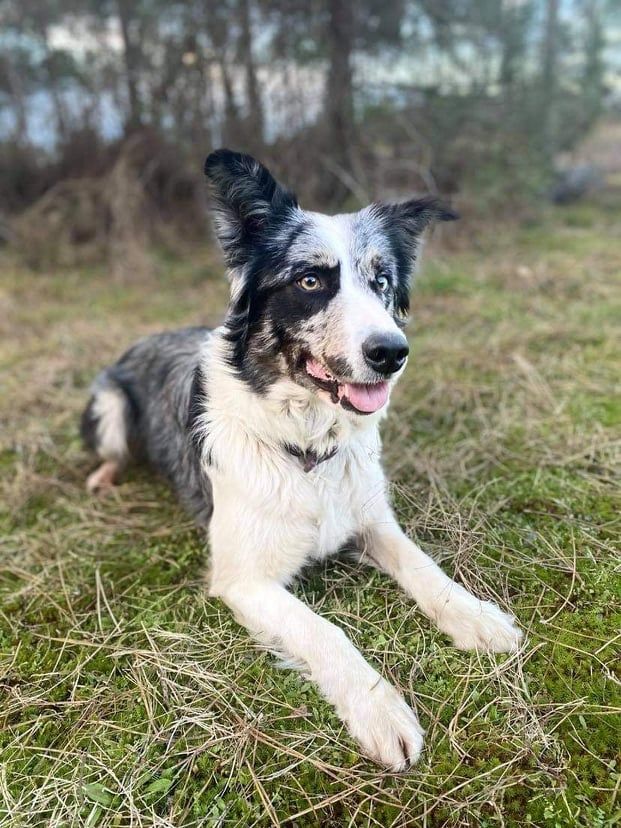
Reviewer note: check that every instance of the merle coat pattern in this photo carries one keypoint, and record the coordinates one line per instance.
(267, 428)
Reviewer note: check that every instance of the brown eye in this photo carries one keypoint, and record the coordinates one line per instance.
(310, 282)
(382, 284)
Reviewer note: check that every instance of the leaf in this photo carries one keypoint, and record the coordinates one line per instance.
(97, 793)
(93, 817)
(161, 785)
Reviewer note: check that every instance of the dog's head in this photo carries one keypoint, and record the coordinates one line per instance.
(318, 299)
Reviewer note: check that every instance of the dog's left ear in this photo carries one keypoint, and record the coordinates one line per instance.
(404, 223)
(247, 201)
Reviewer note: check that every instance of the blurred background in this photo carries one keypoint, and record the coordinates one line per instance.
(127, 696)
(108, 107)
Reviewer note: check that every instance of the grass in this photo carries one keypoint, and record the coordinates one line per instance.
(129, 698)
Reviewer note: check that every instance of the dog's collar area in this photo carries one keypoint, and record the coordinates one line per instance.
(309, 458)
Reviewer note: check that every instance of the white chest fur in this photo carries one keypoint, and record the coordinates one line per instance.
(274, 518)
(271, 517)
(332, 498)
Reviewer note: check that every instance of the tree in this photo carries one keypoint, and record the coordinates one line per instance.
(254, 116)
(548, 112)
(592, 81)
(132, 60)
(339, 95)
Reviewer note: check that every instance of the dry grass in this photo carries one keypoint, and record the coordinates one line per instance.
(128, 698)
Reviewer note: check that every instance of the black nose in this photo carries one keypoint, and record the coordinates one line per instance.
(385, 353)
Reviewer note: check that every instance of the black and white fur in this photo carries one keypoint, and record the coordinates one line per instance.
(264, 429)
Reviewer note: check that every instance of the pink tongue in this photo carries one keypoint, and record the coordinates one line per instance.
(367, 398)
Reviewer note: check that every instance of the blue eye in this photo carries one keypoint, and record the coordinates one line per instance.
(382, 283)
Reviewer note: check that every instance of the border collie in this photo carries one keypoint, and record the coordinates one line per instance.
(268, 429)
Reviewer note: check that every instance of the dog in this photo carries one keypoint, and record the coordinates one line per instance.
(268, 429)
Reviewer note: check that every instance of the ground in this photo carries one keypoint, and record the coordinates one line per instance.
(130, 698)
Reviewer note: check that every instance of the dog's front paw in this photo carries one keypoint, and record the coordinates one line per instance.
(475, 624)
(385, 726)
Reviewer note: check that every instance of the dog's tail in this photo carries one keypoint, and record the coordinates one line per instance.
(108, 427)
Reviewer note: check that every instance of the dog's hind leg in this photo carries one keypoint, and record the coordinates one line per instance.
(105, 429)
(103, 478)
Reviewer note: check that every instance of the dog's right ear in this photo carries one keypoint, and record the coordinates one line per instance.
(247, 202)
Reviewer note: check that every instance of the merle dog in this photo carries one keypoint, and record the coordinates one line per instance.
(268, 429)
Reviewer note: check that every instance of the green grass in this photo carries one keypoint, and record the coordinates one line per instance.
(127, 697)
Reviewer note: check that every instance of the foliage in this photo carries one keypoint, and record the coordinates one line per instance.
(467, 81)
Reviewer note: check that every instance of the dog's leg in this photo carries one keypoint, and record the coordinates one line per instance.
(104, 429)
(104, 477)
(374, 712)
(470, 622)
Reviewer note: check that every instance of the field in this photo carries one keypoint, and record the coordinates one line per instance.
(127, 697)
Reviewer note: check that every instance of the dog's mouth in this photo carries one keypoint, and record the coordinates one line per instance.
(363, 398)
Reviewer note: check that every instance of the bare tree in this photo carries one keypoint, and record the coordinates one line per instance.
(254, 118)
(11, 82)
(513, 31)
(131, 52)
(217, 17)
(593, 73)
(548, 102)
(339, 94)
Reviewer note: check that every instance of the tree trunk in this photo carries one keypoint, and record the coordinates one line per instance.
(230, 129)
(19, 106)
(549, 67)
(339, 96)
(593, 74)
(62, 127)
(130, 57)
(217, 25)
(254, 118)
(512, 36)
